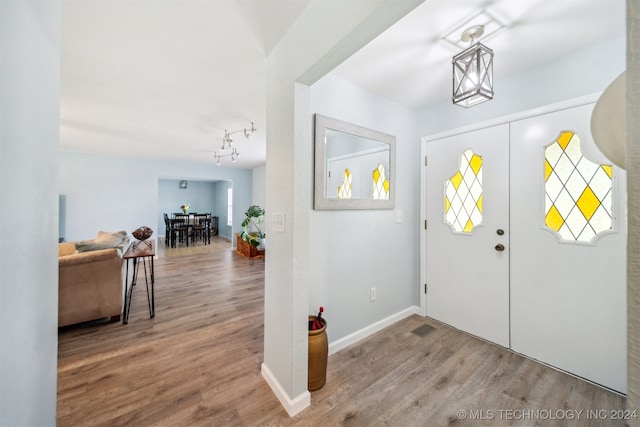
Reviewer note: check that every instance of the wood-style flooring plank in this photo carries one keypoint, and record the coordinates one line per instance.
(197, 363)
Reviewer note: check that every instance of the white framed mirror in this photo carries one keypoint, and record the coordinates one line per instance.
(354, 166)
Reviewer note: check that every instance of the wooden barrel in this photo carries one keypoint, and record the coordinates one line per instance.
(318, 354)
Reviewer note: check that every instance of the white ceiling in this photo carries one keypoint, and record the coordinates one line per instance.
(411, 62)
(164, 79)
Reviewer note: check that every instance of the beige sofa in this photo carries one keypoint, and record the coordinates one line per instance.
(90, 279)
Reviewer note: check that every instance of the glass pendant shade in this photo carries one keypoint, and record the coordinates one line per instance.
(473, 76)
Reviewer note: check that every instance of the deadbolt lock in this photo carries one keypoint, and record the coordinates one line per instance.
(499, 231)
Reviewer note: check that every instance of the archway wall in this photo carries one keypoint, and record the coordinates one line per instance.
(324, 35)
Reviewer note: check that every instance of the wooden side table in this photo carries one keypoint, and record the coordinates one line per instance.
(138, 252)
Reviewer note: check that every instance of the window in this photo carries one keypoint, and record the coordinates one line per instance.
(229, 206)
(578, 192)
(463, 194)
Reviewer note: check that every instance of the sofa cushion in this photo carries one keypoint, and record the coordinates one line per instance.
(66, 248)
(104, 240)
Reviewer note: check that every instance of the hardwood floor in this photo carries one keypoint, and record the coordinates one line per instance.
(218, 243)
(197, 363)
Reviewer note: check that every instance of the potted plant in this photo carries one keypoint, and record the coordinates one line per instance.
(252, 227)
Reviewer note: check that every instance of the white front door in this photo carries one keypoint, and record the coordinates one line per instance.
(557, 292)
(468, 217)
(568, 287)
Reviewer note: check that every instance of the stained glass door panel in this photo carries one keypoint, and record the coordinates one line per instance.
(467, 203)
(463, 194)
(578, 191)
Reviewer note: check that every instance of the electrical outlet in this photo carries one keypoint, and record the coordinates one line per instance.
(372, 294)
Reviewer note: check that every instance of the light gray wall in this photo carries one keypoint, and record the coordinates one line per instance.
(353, 251)
(259, 185)
(29, 138)
(582, 73)
(306, 53)
(114, 193)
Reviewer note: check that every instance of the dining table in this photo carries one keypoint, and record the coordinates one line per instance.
(184, 227)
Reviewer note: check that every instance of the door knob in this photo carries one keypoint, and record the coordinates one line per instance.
(499, 247)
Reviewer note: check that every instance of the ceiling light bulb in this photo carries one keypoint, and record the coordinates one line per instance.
(471, 81)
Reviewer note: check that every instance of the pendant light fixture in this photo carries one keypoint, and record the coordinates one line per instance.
(473, 71)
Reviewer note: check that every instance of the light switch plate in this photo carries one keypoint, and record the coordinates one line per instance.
(278, 222)
(399, 216)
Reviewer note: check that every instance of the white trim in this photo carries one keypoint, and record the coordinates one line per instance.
(358, 154)
(363, 333)
(563, 105)
(292, 406)
(422, 260)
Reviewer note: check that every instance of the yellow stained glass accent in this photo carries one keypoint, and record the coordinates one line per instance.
(547, 170)
(468, 226)
(380, 185)
(565, 138)
(463, 194)
(588, 203)
(475, 163)
(553, 219)
(578, 191)
(344, 189)
(456, 180)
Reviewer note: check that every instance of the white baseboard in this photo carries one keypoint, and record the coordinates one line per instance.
(353, 338)
(292, 406)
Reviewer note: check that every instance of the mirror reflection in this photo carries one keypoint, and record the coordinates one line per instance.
(354, 166)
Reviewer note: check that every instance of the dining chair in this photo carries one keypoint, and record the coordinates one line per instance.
(181, 230)
(167, 230)
(200, 228)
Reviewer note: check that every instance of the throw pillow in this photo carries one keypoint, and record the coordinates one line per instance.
(108, 235)
(105, 240)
